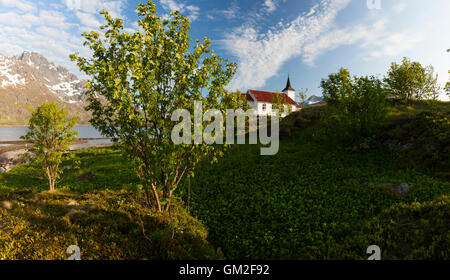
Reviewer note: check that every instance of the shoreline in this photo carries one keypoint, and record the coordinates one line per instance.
(10, 151)
(15, 145)
(77, 140)
(26, 125)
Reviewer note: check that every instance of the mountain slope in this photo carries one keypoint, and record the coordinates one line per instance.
(30, 79)
(313, 100)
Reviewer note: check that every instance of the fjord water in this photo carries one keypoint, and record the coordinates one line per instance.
(13, 133)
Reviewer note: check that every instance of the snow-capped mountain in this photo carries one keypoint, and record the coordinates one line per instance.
(314, 100)
(57, 79)
(29, 79)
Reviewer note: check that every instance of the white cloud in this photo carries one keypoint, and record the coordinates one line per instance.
(22, 5)
(270, 5)
(372, 37)
(400, 7)
(191, 11)
(53, 32)
(260, 56)
(395, 44)
(114, 8)
(172, 5)
(45, 31)
(53, 18)
(20, 20)
(232, 12)
(88, 20)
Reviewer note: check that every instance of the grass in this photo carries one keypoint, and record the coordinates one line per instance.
(106, 217)
(307, 202)
(100, 161)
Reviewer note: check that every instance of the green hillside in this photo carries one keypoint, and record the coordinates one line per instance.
(308, 202)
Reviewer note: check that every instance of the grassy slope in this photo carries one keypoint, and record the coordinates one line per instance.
(308, 202)
(104, 217)
(14, 103)
(305, 202)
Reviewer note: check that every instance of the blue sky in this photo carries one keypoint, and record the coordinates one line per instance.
(269, 39)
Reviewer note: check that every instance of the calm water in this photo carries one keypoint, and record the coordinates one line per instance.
(12, 133)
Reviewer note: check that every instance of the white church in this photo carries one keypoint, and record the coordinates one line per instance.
(262, 101)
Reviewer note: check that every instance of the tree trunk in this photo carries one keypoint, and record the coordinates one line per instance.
(167, 205)
(155, 194)
(50, 179)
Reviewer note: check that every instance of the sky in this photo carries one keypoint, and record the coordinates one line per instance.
(268, 39)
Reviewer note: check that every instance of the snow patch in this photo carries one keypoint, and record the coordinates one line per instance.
(9, 79)
(66, 88)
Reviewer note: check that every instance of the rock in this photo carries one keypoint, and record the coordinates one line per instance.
(19, 160)
(377, 184)
(72, 203)
(401, 189)
(72, 212)
(392, 145)
(10, 159)
(7, 204)
(7, 167)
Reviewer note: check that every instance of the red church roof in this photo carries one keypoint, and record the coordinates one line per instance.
(266, 96)
(246, 95)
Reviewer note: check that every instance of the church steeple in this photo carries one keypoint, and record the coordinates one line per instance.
(288, 86)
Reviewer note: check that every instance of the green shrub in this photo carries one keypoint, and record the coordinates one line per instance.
(411, 81)
(355, 105)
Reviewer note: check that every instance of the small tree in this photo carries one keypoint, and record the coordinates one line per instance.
(337, 88)
(139, 80)
(302, 94)
(355, 104)
(411, 81)
(50, 133)
(279, 102)
(236, 100)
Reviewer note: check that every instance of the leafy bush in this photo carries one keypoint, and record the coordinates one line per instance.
(51, 133)
(355, 105)
(127, 102)
(411, 81)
